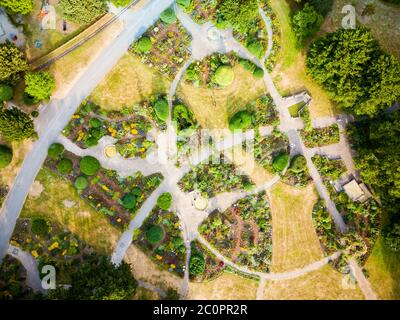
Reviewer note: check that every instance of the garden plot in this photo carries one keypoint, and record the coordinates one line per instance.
(204, 265)
(297, 174)
(362, 219)
(217, 70)
(130, 127)
(164, 46)
(160, 237)
(214, 178)
(243, 233)
(318, 137)
(116, 197)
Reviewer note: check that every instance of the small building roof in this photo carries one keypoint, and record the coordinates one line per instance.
(353, 190)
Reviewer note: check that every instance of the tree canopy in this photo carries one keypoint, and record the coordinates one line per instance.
(168, 15)
(6, 93)
(39, 85)
(15, 125)
(238, 14)
(356, 73)
(12, 63)
(83, 11)
(89, 165)
(17, 6)
(241, 120)
(161, 109)
(6, 156)
(306, 22)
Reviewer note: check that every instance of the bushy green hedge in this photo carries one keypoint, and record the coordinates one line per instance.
(162, 109)
(280, 162)
(89, 165)
(164, 201)
(256, 48)
(240, 120)
(197, 264)
(6, 155)
(81, 183)
(144, 44)
(129, 201)
(64, 166)
(154, 234)
(55, 150)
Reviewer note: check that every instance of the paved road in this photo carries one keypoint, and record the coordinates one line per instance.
(57, 113)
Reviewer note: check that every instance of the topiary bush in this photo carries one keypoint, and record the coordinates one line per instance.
(55, 150)
(154, 234)
(197, 264)
(81, 183)
(162, 109)
(6, 93)
(168, 16)
(164, 201)
(129, 201)
(298, 164)
(224, 76)
(89, 165)
(40, 227)
(6, 156)
(280, 162)
(240, 120)
(144, 45)
(64, 166)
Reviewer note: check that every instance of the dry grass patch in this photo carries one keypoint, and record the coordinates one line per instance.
(129, 82)
(213, 107)
(227, 286)
(145, 269)
(295, 242)
(323, 284)
(80, 218)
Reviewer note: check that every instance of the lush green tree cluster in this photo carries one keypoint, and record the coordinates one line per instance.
(164, 201)
(306, 22)
(98, 278)
(39, 85)
(83, 11)
(357, 74)
(17, 6)
(238, 14)
(6, 155)
(15, 125)
(12, 64)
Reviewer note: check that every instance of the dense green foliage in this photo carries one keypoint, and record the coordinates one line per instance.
(391, 236)
(144, 44)
(240, 121)
(6, 155)
(15, 125)
(197, 264)
(39, 85)
(64, 166)
(17, 6)
(298, 164)
(83, 11)
(89, 165)
(12, 63)
(306, 22)
(6, 93)
(357, 74)
(280, 162)
(183, 117)
(81, 183)
(224, 76)
(154, 234)
(184, 3)
(55, 150)
(168, 16)
(40, 227)
(238, 14)
(256, 48)
(98, 279)
(129, 201)
(121, 3)
(332, 169)
(162, 109)
(164, 201)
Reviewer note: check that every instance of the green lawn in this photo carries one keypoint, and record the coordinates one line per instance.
(294, 110)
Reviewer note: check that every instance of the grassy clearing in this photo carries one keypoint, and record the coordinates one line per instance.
(67, 69)
(145, 269)
(295, 242)
(384, 272)
(81, 219)
(213, 107)
(323, 284)
(227, 286)
(129, 82)
(294, 110)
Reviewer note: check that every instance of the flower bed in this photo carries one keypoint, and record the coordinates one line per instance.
(263, 112)
(168, 48)
(160, 237)
(297, 175)
(213, 178)
(105, 190)
(243, 233)
(318, 137)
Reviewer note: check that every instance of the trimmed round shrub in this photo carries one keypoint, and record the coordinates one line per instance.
(40, 227)
(224, 76)
(35, 114)
(256, 49)
(6, 93)
(164, 201)
(197, 264)
(64, 166)
(258, 73)
(298, 164)
(144, 44)
(280, 162)
(168, 16)
(6, 156)
(162, 109)
(81, 183)
(240, 120)
(91, 142)
(95, 123)
(55, 150)
(154, 234)
(129, 201)
(89, 165)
